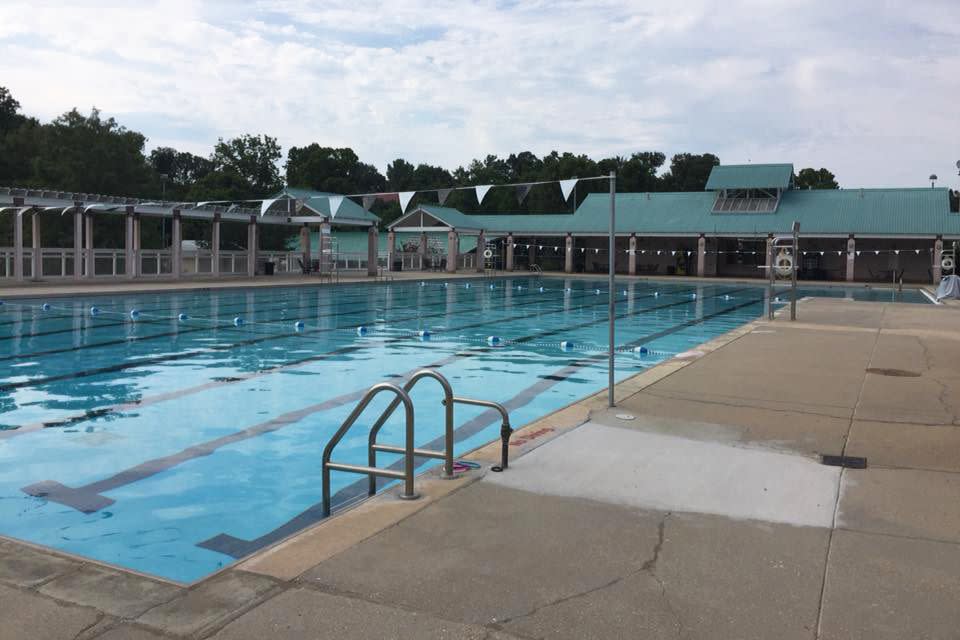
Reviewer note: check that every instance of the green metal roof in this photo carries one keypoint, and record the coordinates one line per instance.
(750, 176)
(319, 201)
(446, 215)
(838, 212)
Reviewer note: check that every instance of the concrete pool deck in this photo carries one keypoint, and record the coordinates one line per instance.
(707, 515)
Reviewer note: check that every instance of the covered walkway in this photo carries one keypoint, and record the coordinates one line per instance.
(29, 217)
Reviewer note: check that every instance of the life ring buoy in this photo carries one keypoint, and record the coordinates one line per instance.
(784, 264)
(947, 263)
(487, 253)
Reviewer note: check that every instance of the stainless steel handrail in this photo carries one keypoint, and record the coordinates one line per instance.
(408, 458)
(793, 242)
(505, 429)
(446, 455)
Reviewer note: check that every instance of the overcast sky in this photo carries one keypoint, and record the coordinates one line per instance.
(868, 89)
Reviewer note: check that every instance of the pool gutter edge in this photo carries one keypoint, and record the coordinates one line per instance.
(290, 557)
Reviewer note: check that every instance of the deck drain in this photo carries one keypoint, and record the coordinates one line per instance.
(896, 373)
(625, 416)
(850, 462)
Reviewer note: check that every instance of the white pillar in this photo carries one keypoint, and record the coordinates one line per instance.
(252, 247)
(36, 239)
(128, 251)
(632, 255)
(453, 250)
(851, 257)
(18, 245)
(78, 241)
(422, 250)
(701, 256)
(937, 267)
(88, 232)
(215, 247)
(373, 250)
(481, 247)
(137, 267)
(508, 249)
(324, 248)
(176, 234)
(568, 254)
(391, 248)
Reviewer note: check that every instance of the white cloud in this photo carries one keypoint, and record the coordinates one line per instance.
(858, 87)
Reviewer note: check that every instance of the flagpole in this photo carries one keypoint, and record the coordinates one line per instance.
(611, 308)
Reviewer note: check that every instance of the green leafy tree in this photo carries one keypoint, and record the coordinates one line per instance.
(10, 116)
(689, 172)
(811, 178)
(252, 159)
(333, 170)
(89, 153)
(182, 170)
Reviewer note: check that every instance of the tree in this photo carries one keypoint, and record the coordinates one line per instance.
(401, 175)
(181, 167)
(10, 117)
(332, 170)
(689, 172)
(88, 153)
(811, 178)
(252, 159)
(637, 173)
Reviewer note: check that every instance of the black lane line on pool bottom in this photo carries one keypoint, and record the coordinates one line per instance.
(232, 301)
(89, 498)
(239, 548)
(69, 420)
(133, 364)
(191, 326)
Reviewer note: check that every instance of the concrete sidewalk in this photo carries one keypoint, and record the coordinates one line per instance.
(707, 515)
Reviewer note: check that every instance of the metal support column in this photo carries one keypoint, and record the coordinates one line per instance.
(215, 247)
(611, 295)
(37, 243)
(90, 257)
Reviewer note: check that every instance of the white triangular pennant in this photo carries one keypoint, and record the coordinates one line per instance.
(443, 194)
(522, 191)
(566, 187)
(368, 202)
(405, 198)
(266, 204)
(482, 192)
(335, 202)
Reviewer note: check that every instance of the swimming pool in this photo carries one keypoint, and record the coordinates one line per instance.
(179, 441)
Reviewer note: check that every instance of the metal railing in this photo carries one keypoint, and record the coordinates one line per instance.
(790, 263)
(408, 450)
(406, 475)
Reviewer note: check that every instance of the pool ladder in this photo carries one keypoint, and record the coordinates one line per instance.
(372, 471)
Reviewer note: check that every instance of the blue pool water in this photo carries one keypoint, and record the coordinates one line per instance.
(175, 447)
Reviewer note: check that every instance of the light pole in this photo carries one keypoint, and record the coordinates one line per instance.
(933, 180)
(611, 306)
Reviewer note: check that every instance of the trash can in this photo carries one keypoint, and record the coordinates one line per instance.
(268, 268)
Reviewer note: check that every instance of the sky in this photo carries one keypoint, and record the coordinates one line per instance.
(868, 89)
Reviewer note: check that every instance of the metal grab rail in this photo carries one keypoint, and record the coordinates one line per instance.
(408, 450)
(793, 242)
(446, 455)
(505, 429)
(406, 475)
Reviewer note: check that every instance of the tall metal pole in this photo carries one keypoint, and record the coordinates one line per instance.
(611, 308)
(796, 267)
